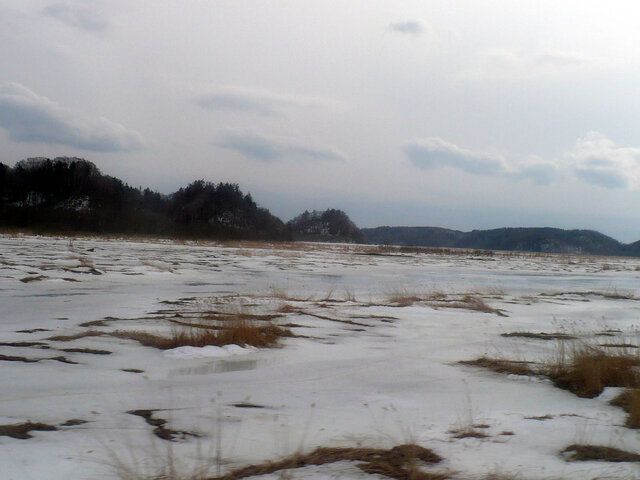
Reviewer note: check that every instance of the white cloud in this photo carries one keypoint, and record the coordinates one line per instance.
(28, 117)
(262, 102)
(76, 14)
(599, 161)
(273, 148)
(410, 27)
(594, 159)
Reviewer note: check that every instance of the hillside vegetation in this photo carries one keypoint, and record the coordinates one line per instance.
(551, 240)
(71, 194)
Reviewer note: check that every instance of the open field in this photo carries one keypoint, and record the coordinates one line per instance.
(132, 359)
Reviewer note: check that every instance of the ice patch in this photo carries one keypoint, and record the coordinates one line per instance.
(208, 351)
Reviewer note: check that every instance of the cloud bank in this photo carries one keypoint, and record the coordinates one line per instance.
(261, 102)
(77, 15)
(271, 148)
(594, 159)
(599, 161)
(28, 117)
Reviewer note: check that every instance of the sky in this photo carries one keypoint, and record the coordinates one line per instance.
(452, 113)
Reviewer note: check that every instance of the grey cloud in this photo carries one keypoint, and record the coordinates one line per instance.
(77, 15)
(262, 102)
(269, 148)
(28, 117)
(435, 152)
(599, 161)
(411, 27)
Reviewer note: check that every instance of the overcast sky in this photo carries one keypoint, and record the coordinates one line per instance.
(461, 114)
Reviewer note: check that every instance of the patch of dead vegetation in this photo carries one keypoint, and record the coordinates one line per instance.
(586, 453)
(240, 332)
(629, 401)
(401, 462)
(468, 433)
(589, 369)
(500, 365)
(22, 431)
(436, 299)
(584, 370)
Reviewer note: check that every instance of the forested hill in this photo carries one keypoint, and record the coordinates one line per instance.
(524, 239)
(71, 194)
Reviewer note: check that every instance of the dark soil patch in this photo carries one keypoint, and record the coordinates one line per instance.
(618, 345)
(62, 359)
(33, 330)
(86, 350)
(159, 429)
(22, 430)
(25, 344)
(73, 422)
(400, 462)
(540, 336)
(246, 405)
(35, 278)
(132, 370)
(13, 358)
(585, 453)
(94, 323)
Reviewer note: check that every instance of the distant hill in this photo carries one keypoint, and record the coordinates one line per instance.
(551, 240)
(328, 226)
(71, 194)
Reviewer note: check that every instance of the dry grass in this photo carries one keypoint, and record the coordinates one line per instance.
(586, 453)
(241, 332)
(587, 370)
(237, 332)
(629, 401)
(501, 365)
(400, 462)
(584, 370)
(437, 299)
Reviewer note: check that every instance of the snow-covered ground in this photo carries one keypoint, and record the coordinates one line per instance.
(362, 371)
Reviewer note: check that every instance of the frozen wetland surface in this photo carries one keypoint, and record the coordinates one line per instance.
(369, 366)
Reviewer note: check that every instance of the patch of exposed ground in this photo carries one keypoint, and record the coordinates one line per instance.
(159, 426)
(539, 336)
(586, 453)
(402, 462)
(16, 358)
(23, 431)
(91, 351)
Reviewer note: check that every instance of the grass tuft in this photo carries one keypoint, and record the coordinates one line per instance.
(500, 365)
(585, 453)
(589, 369)
(629, 401)
(399, 462)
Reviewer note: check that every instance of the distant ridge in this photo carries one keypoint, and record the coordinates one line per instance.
(543, 239)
